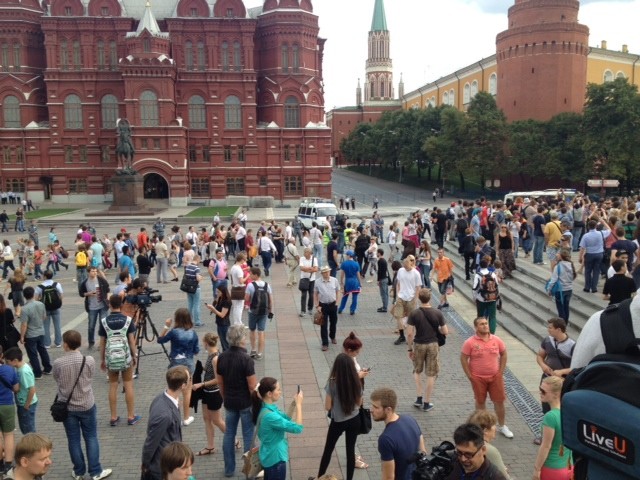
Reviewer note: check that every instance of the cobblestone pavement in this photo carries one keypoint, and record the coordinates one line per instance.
(293, 355)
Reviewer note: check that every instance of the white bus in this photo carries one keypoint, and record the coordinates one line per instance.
(548, 194)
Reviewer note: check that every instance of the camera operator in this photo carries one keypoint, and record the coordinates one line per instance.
(401, 438)
(129, 295)
(471, 461)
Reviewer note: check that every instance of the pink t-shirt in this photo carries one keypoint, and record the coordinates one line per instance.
(484, 356)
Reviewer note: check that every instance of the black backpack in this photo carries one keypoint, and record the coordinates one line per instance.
(51, 297)
(488, 288)
(601, 405)
(260, 300)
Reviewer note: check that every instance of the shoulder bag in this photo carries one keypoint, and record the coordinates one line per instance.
(442, 339)
(60, 409)
(305, 283)
(365, 421)
(252, 466)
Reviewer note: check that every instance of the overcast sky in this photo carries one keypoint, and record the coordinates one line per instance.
(430, 39)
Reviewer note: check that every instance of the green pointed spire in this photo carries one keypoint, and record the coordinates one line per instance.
(379, 22)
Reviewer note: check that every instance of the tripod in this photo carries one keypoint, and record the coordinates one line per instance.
(142, 334)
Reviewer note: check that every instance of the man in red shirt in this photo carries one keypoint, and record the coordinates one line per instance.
(143, 238)
(483, 359)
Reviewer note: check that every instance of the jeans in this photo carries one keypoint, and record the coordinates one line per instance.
(266, 261)
(222, 335)
(575, 242)
(276, 472)
(317, 252)
(354, 302)
(334, 268)
(538, 246)
(94, 316)
(52, 315)
(27, 418)
(87, 423)
(8, 264)
(592, 263)
(81, 276)
(161, 269)
(330, 312)
(35, 347)
(516, 244)
(563, 305)
(307, 304)
(193, 304)
(228, 442)
(426, 271)
(336, 429)
(384, 292)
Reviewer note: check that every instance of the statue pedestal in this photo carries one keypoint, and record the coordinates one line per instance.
(128, 197)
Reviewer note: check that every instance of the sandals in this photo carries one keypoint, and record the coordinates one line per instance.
(206, 451)
(360, 462)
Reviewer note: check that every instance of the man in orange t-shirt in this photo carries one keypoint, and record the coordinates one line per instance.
(143, 238)
(484, 358)
(443, 269)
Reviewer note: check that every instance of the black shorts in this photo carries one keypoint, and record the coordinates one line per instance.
(213, 400)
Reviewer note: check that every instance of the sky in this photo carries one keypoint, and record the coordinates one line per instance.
(433, 38)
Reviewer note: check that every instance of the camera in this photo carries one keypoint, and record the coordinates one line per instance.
(144, 298)
(437, 465)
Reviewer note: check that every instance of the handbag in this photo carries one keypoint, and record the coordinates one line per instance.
(237, 293)
(60, 409)
(555, 289)
(365, 421)
(252, 466)
(304, 283)
(189, 284)
(318, 318)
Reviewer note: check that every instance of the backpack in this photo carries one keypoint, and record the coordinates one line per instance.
(81, 259)
(116, 351)
(260, 300)
(64, 253)
(51, 297)
(488, 288)
(600, 405)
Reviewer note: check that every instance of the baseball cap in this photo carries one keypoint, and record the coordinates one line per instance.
(349, 253)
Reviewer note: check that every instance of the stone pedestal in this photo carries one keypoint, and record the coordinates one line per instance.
(128, 197)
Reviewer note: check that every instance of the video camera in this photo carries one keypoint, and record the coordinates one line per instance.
(144, 298)
(437, 465)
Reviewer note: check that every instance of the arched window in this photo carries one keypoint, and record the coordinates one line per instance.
(620, 75)
(77, 55)
(467, 94)
(100, 60)
(64, 55)
(149, 109)
(113, 55)
(432, 102)
(381, 88)
(188, 55)
(72, 112)
(225, 56)
(197, 116)
(493, 84)
(16, 57)
(11, 112)
(291, 113)
(285, 58)
(202, 58)
(109, 111)
(295, 53)
(232, 112)
(237, 56)
(452, 97)
(373, 90)
(608, 76)
(445, 98)
(474, 88)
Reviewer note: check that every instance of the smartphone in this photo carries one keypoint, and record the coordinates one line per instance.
(206, 304)
(368, 369)
(298, 388)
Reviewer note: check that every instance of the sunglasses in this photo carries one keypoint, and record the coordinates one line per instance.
(467, 455)
(543, 391)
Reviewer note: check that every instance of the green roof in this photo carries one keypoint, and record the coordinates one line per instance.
(379, 22)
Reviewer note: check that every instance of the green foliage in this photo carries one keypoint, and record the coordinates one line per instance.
(209, 212)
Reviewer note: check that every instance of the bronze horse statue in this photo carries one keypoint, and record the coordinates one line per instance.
(125, 149)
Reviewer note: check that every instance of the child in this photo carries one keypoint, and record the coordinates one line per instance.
(26, 397)
(497, 269)
(29, 255)
(372, 260)
(38, 258)
(52, 260)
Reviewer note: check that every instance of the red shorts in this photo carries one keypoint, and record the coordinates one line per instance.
(494, 386)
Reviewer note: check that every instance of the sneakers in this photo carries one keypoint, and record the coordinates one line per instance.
(427, 407)
(190, 420)
(134, 420)
(103, 474)
(504, 430)
(114, 421)
(301, 314)
(418, 403)
(400, 340)
(258, 356)
(76, 477)
(253, 354)
(381, 310)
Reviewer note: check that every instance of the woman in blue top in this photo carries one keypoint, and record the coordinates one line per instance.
(272, 425)
(350, 279)
(184, 346)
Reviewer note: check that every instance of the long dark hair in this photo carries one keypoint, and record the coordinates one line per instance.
(346, 381)
(224, 293)
(266, 385)
(3, 306)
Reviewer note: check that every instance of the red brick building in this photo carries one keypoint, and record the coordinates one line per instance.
(222, 101)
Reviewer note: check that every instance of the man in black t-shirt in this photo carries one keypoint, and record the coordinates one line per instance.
(423, 346)
(619, 287)
(333, 250)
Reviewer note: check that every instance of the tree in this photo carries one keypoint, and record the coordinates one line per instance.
(564, 155)
(448, 145)
(526, 150)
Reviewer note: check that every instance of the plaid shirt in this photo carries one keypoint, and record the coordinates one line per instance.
(65, 372)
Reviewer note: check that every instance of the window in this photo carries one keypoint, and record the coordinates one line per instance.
(104, 11)
(452, 97)
(67, 11)
(474, 88)
(227, 153)
(298, 153)
(194, 12)
(72, 112)
(156, 144)
(77, 55)
(225, 56)
(291, 113)
(11, 112)
(16, 57)
(372, 89)
(293, 185)
(197, 116)
(620, 75)
(287, 153)
(64, 55)
(68, 154)
(200, 187)
(493, 84)
(235, 186)
(5, 57)
(77, 185)
(241, 153)
(146, 45)
(381, 88)
(149, 109)
(608, 76)
(100, 57)
(237, 56)
(230, 13)
(467, 93)
(144, 144)
(232, 112)
(105, 155)
(263, 180)
(188, 55)
(432, 102)
(113, 55)
(19, 155)
(202, 59)
(109, 111)
(296, 58)
(285, 58)
(84, 154)
(6, 154)
(206, 155)
(193, 153)
(15, 184)
(445, 98)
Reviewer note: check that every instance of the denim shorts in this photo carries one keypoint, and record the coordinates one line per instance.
(187, 362)
(259, 321)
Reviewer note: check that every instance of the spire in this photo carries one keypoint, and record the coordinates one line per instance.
(401, 88)
(148, 22)
(379, 22)
(358, 94)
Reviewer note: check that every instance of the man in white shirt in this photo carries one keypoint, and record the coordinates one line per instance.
(316, 240)
(293, 260)
(308, 269)
(241, 235)
(267, 250)
(242, 218)
(236, 276)
(408, 285)
(288, 231)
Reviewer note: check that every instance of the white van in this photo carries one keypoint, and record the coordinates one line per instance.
(316, 210)
(551, 193)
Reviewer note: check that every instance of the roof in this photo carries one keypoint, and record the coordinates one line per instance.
(379, 22)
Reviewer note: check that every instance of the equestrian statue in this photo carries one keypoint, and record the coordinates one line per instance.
(124, 149)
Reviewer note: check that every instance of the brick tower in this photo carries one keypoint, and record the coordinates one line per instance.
(542, 60)
(379, 85)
